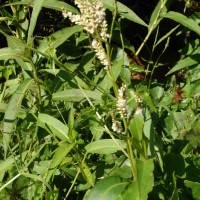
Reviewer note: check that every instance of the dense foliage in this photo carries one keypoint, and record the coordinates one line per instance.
(98, 102)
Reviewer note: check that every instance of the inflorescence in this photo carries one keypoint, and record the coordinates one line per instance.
(121, 101)
(92, 17)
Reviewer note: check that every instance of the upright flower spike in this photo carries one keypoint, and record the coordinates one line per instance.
(92, 17)
(136, 97)
(100, 52)
(117, 126)
(121, 101)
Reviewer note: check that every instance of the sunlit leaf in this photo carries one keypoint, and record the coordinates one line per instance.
(77, 95)
(105, 146)
(35, 13)
(182, 19)
(107, 189)
(9, 53)
(58, 38)
(12, 111)
(87, 174)
(124, 11)
(53, 126)
(4, 106)
(155, 16)
(136, 126)
(195, 187)
(140, 188)
(51, 4)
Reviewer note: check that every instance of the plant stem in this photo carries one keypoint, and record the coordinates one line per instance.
(109, 54)
(130, 151)
(9, 182)
(113, 21)
(132, 159)
(72, 185)
(111, 76)
(151, 29)
(37, 82)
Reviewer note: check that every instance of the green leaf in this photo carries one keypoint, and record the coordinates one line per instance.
(136, 126)
(14, 106)
(9, 53)
(15, 43)
(123, 10)
(147, 99)
(59, 6)
(140, 188)
(12, 111)
(71, 119)
(182, 19)
(149, 133)
(107, 189)
(191, 48)
(58, 38)
(195, 187)
(51, 4)
(166, 36)
(6, 164)
(60, 152)
(53, 126)
(157, 92)
(77, 95)
(175, 195)
(35, 13)
(120, 58)
(155, 15)
(39, 178)
(23, 53)
(3, 108)
(105, 146)
(190, 61)
(87, 174)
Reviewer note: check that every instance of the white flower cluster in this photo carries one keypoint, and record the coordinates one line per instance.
(136, 97)
(100, 52)
(121, 101)
(116, 126)
(92, 17)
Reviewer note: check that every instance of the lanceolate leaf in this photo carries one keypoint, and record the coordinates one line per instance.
(35, 13)
(13, 109)
(4, 106)
(58, 156)
(155, 19)
(9, 53)
(185, 21)
(53, 126)
(140, 188)
(136, 126)
(77, 95)
(51, 4)
(58, 38)
(6, 164)
(59, 6)
(190, 61)
(107, 189)
(124, 11)
(105, 146)
(14, 106)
